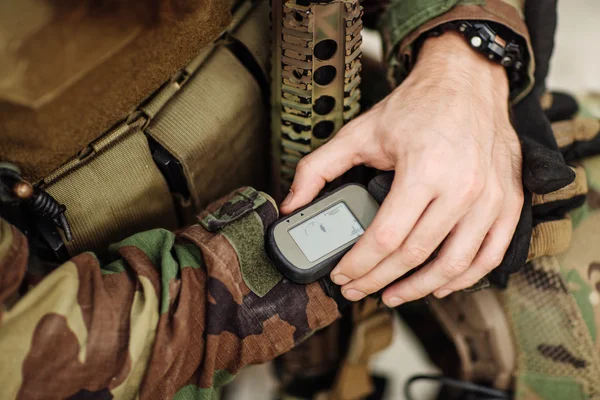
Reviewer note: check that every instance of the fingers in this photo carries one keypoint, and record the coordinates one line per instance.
(395, 219)
(432, 228)
(491, 253)
(455, 257)
(319, 167)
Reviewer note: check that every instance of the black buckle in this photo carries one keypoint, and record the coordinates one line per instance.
(35, 213)
(170, 167)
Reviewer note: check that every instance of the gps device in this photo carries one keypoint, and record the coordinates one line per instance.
(308, 243)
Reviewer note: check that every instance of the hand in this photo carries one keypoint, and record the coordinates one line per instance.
(457, 160)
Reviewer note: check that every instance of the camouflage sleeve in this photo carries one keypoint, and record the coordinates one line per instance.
(164, 315)
(401, 22)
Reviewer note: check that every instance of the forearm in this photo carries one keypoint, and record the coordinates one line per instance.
(405, 22)
(450, 63)
(165, 313)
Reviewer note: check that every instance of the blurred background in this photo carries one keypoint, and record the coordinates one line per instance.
(575, 69)
(577, 53)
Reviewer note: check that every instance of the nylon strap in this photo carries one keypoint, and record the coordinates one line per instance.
(575, 130)
(550, 238)
(553, 237)
(112, 192)
(247, 238)
(240, 205)
(254, 35)
(243, 228)
(215, 126)
(477, 325)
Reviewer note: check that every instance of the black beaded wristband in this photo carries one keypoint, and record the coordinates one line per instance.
(484, 37)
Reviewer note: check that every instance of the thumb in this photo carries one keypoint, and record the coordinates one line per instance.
(544, 170)
(316, 169)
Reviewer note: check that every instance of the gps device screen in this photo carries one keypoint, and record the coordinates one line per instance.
(308, 243)
(326, 231)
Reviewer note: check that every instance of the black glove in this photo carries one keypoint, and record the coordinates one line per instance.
(578, 138)
(559, 106)
(550, 186)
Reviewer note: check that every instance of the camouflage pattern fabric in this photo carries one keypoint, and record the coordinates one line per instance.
(404, 21)
(241, 204)
(314, 86)
(164, 315)
(554, 303)
(311, 368)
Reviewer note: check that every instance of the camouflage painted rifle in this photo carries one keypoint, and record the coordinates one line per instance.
(315, 76)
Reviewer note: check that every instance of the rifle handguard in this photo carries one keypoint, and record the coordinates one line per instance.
(315, 74)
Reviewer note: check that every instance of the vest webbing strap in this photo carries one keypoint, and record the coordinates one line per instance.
(255, 37)
(550, 238)
(210, 117)
(191, 126)
(239, 222)
(119, 191)
(575, 130)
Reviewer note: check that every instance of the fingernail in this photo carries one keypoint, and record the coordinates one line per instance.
(288, 199)
(340, 279)
(440, 294)
(394, 302)
(353, 294)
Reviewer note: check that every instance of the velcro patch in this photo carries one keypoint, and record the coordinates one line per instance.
(247, 238)
(242, 204)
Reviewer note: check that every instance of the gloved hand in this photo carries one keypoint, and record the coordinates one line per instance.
(577, 138)
(551, 186)
(559, 106)
(544, 172)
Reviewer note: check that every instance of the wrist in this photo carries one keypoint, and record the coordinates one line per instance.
(449, 57)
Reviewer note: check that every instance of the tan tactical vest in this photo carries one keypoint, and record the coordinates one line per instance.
(134, 116)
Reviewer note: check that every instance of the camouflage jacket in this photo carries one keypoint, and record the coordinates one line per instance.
(402, 22)
(163, 315)
(553, 304)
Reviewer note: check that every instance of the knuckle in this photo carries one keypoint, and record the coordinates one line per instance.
(350, 267)
(353, 267)
(386, 238)
(415, 254)
(471, 186)
(453, 268)
(303, 165)
(493, 261)
(417, 289)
